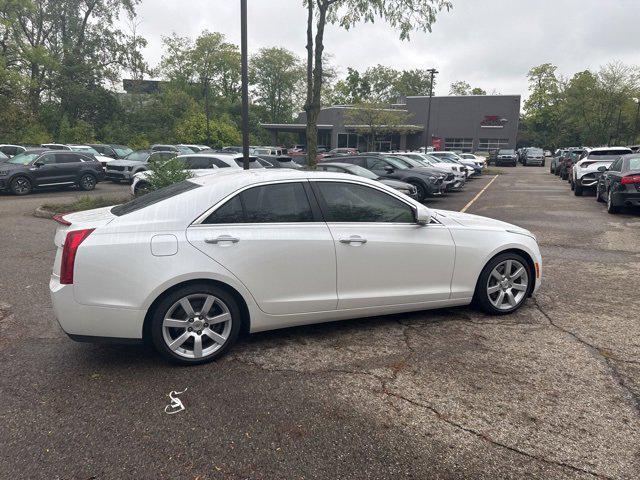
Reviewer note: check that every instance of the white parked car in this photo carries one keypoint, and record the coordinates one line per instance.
(451, 157)
(585, 173)
(190, 266)
(459, 171)
(197, 164)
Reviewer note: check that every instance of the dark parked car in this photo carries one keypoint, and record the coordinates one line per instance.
(46, 168)
(619, 185)
(113, 151)
(138, 161)
(350, 169)
(506, 157)
(278, 161)
(428, 182)
(179, 149)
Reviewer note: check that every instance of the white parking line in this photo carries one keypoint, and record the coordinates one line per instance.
(466, 207)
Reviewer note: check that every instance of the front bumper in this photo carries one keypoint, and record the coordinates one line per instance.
(588, 180)
(534, 161)
(88, 321)
(118, 175)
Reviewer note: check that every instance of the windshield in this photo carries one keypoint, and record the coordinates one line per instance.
(634, 163)
(23, 158)
(506, 152)
(362, 172)
(534, 151)
(122, 152)
(140, 156)
(153, 197)
(411, 162)
(253, 163)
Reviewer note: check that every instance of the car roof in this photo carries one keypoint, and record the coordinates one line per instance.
(269, 175)
(338, 164)
(603, 149)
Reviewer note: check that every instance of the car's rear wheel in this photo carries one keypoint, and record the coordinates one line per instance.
(87, 182)
(195, 324)
(21, 186)
(611, 208)
(504, 284)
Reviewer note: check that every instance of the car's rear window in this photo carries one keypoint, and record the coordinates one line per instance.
(153, 198)
(607, 154)
(634, 163)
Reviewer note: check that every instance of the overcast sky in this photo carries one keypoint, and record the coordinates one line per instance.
(490, 44)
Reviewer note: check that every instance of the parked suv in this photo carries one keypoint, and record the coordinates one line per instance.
(113, 151)
(125, 169)
(533, 156)
(506, 157)
(46, 168)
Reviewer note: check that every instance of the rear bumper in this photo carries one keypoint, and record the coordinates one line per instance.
(625, 199)
(84, 322)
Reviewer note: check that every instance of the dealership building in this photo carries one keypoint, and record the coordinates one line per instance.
(469, 123)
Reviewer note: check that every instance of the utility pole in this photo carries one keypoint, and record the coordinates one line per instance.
(427, 141)
(245, 85)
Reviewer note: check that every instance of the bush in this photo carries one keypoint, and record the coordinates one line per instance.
(163, 174)
(193, 129)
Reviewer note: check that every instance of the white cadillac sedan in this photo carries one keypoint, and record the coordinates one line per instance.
(191, 266)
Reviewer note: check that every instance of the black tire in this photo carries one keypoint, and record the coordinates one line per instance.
(599, 194)
(577, 189)
(115, 180)
(21, 185)
(612, 209)
(481, 297)
(141, 188)
(542, 163)
(87, 182)
(421, 191)
(169, 300)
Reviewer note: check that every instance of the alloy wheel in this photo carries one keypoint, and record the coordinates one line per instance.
(21, 186)
(87, 182)
(507, 285)
(197, 325)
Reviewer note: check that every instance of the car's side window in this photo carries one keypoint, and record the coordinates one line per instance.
(67, 158)
(616, 166)
(282, 202)
(48, 159)
(347, 202)
(278, 203)
(376, 164)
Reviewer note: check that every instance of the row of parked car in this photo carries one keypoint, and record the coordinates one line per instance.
(416, 174)
(613, 173)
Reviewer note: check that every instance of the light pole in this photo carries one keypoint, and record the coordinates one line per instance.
(427, 141)
(245, 84)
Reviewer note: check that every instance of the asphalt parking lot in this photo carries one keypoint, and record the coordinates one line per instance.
(552, 391)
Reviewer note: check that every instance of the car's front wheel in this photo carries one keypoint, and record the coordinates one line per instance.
(504, 284)
(141, 188)
(21, 186)
(195, 324)
(421, 191)
(599, 194)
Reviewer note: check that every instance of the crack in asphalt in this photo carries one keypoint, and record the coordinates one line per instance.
(395, 370)
(596, 352)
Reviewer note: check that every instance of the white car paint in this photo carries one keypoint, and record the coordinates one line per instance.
(287, 274)
(590, 163)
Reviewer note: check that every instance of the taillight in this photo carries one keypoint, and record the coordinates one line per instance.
(71, 244)
(630, 179)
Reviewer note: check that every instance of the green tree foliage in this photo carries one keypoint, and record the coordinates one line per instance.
(193, 129)
(165, 173)
(463, 88)
(403, 15)
(374, 119)
(277, 75)
(590, 108)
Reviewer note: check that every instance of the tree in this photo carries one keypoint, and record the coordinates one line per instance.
(541, 112)
(373, 119)
(478, 91)
(459, 88)
(276, 74)
(404, 15)
(193, 129)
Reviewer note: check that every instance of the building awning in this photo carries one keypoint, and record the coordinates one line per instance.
(292, 127)
(387, 128)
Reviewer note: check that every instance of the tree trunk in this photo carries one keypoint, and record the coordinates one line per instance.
(207, 113)
(311, 130)
(316, 103)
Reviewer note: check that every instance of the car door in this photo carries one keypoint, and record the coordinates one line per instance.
(68, 165)
(613, 175)
(383, 256)
(45, 170)
(381, 167)
(273, 239)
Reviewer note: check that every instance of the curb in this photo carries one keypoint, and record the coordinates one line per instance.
(42, 213)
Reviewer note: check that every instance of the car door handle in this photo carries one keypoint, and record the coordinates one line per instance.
(354, 239)
(222, 238)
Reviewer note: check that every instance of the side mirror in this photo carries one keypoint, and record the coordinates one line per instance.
(389, 169)
(603, 168)
(423, 215)
(38, 164)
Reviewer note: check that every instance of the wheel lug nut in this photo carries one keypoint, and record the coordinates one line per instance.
(206, 324)
(190, 329)
(199, 332)
(191, 320)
